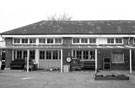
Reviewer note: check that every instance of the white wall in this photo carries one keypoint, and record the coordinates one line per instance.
(101, 40)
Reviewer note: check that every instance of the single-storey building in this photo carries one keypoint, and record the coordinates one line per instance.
(109, 44)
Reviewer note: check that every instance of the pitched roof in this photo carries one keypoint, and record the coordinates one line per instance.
(76, 27)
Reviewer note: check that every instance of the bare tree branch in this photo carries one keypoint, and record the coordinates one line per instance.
(63, 17)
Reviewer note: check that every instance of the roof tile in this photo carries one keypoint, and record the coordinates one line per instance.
(76, 27)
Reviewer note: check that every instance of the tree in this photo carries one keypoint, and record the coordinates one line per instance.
(63, 17)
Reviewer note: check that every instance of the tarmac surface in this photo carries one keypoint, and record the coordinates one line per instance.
(55, 79)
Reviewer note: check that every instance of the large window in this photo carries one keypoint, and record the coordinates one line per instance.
(84, 54)
(50, 54)
(20, 54)
(117, 58)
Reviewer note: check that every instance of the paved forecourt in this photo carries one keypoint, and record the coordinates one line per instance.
(46, 79)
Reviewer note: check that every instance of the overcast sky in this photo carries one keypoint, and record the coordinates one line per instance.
(17, 13)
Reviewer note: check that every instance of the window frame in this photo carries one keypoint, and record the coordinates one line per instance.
(76, 42)
(134, 40)
(76, 53)
(61, 41)
(82, 42)
(93, 39)
(114, 41)
(121, 40)
(43, 39)
(24, 43)
(32, 40)
(53, 42)
(110, 39)
(15, 42)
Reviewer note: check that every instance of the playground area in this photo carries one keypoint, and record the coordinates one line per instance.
(56, 79)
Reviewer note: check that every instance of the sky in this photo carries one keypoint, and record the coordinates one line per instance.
(18, 13)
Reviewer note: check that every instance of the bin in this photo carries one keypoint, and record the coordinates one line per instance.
(66, 68)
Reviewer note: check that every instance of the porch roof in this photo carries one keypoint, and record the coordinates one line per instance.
(71, 47)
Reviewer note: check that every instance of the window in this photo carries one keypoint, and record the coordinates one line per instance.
(42, 40)
(16, 40)
(55, 55)
(24, 54)
(114, 40)
(110, 40)
(32, 40)
(76, 40)
(134, 40)
(117, 58)
(48, 55)
(92, 55)
(24, 40)
(84, 40)
(79, 54)
(118, 40)
(32, 54)
(58, 40)
(85, 54)
(42, 54)
(49, 41)
(19, 54)
(92, 40)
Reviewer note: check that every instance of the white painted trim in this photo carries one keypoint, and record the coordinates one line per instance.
(61, 60)
(115, 41)
(28, 55)
(12, 54)
(37, 57)
(70, 35)
(96, 60)
(130, 54)
(80, 41)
